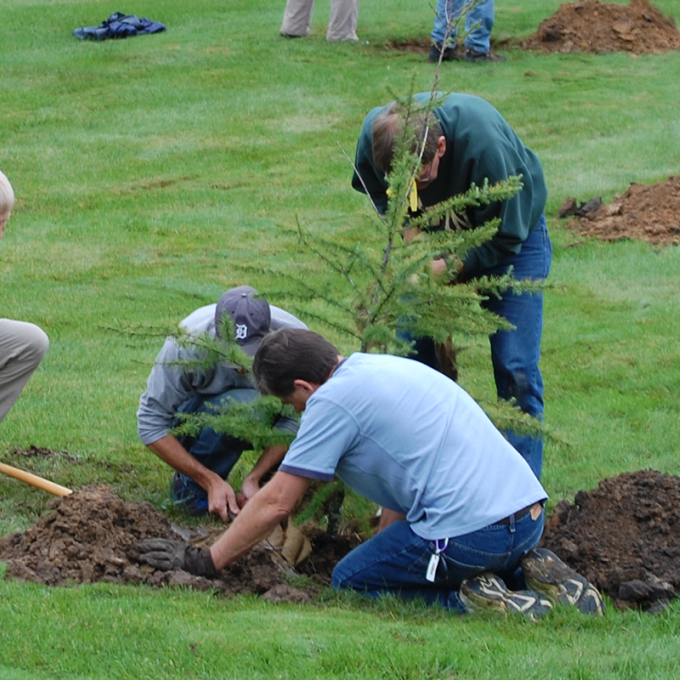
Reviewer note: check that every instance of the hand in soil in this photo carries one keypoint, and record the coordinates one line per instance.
(170, 555)
(222, 500)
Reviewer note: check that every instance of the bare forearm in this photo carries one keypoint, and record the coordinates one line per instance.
(259, 517)
(269, 459)
(410, 233)
(251, 525)
(177, 457)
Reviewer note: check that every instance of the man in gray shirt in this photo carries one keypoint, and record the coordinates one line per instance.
(177, 384)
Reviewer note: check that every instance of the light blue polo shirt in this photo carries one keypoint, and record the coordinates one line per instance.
(410, 439)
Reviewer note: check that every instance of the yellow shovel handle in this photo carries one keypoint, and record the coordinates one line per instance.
(34, 480)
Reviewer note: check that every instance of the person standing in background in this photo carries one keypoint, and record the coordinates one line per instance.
(479, 18)
(342, 23)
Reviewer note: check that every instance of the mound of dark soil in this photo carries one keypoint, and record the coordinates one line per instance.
(644, 212)
(92, 535)
(624, 537)
(599, 27)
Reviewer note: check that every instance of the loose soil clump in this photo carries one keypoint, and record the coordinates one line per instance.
(624, 537)
(600, 27)
(644, 212)
(92, 535)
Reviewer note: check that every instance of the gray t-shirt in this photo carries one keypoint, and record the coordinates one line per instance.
(172, 383)
(408, 438)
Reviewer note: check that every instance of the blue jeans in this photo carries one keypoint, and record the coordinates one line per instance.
(216, 451)
(396, 560)
(515, 353)
(447, 11)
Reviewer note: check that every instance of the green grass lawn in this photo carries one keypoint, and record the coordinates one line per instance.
(149, 170)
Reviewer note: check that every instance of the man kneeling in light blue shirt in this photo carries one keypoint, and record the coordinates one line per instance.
(462, 510)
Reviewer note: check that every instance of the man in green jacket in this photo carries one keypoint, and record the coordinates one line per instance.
(468, 141)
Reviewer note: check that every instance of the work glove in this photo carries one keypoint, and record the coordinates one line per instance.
(290, 543)
(168, 555)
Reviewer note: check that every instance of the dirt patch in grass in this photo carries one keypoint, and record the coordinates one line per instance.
(92, 535)
(588, 26)
(411, 45)
(624, 536)
(42, 452)
(599, 27)
(644, 212)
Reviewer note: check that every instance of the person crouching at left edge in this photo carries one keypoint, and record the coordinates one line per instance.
(22, 344)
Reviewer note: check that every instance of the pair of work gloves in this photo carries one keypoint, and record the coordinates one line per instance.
(287, 542)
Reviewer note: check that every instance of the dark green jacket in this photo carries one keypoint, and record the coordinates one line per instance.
(479, 144)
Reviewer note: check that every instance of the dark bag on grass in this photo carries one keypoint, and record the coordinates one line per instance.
(119, 25)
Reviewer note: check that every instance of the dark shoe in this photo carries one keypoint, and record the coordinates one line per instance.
(487, 592)
(436, 50)
(547, 574)
(192, 500)
(478, 57)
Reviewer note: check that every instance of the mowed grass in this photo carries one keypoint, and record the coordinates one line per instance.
(148, 171)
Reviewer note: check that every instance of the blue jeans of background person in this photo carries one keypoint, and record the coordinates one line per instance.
(515, 353)
(216, 451)
(395, 561)
(446, 13)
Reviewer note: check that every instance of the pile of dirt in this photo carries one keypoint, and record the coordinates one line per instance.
(599, 27)
(644, 212)
(587, 26)
(624, 537)
(92, 535)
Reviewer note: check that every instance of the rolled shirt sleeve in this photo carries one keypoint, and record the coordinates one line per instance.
(168, 387)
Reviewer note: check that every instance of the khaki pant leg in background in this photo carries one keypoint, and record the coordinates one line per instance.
(342, 24)
(22, 347)
(297, 18)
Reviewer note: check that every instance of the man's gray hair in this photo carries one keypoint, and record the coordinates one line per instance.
(394, 123)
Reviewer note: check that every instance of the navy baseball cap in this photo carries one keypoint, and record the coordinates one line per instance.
(250, 314)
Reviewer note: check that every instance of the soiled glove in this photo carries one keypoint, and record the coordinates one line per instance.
(290, 543)
(168, 555)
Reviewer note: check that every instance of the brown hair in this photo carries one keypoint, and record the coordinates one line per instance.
(291, 354)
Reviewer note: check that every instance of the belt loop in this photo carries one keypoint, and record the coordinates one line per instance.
(511, 524)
